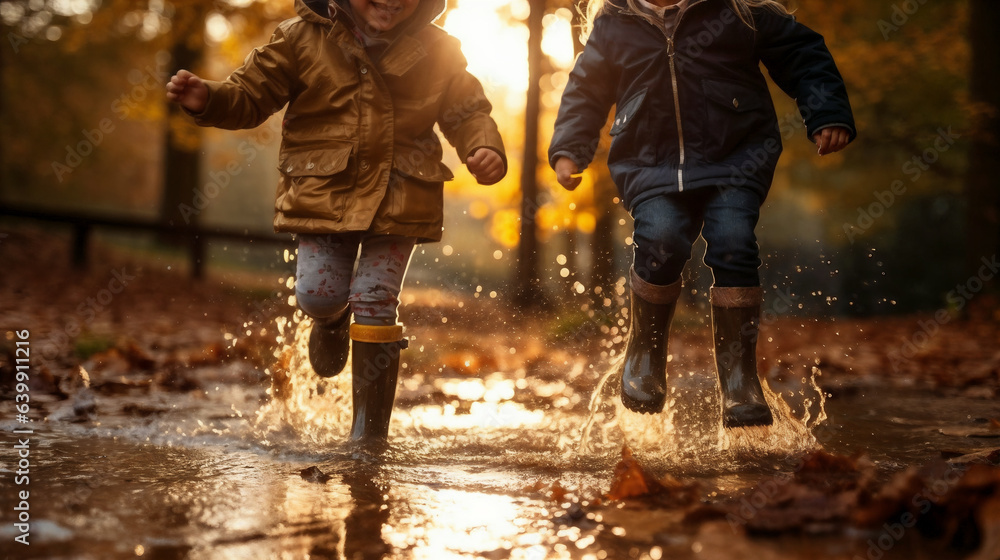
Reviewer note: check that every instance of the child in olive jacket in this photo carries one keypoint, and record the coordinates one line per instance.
(364, 83)
(695, 141)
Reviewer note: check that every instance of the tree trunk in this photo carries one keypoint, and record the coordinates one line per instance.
(528, 289)
(982, 194)
(180, 162)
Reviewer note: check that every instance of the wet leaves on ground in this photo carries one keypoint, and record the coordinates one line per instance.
(315, 475)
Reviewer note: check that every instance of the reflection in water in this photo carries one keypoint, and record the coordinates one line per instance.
(440, 523)
(366, 522)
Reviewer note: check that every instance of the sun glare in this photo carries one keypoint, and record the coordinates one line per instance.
(557, 38)
(495, 46)
(495, 42)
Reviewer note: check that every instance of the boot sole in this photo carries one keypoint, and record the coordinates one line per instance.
(743, 416)
(643, 407)
(328, 362)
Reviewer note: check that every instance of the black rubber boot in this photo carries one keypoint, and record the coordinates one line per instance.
(375, 368)
(644, 379)
(736, 322)
(329, 343)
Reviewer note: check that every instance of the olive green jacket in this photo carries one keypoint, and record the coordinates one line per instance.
(358, 149)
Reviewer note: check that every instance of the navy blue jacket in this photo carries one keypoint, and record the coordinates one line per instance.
(693, 110)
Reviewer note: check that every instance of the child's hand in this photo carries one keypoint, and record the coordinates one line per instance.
(831, 139)
(188, 90)
(486, 166)
(565, 171)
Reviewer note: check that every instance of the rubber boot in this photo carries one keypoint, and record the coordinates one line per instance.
(329, 343)
(375, 368)
(736, 322)
(644, 379)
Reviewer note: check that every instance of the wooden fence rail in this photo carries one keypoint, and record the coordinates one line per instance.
(83, 224)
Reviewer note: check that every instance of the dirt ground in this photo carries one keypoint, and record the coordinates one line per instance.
(129, 322)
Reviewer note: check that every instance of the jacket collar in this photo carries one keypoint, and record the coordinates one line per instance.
(404, 49)
(621, 6)
(317, 11)
(314, 11)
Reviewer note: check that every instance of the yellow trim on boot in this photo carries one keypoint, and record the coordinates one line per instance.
(376, 333)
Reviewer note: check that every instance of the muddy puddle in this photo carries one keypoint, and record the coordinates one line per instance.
(494, 466)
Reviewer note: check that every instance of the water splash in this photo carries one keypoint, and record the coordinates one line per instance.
(688, 435)
(302, 407)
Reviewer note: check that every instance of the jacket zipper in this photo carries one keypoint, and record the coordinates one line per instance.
(677, 108)
(671, 52)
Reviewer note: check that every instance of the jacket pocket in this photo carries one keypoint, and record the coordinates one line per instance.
(316, 183)
(315, 163)
(626, 113)
(415, 201)
(417, 192)
(414, 164)
(734, 111)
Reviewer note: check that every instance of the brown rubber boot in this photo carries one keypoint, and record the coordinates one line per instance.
(329, 344)
(736, 322)
(375, 368)
(644, 379)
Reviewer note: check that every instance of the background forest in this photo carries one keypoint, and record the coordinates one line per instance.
(896, 223)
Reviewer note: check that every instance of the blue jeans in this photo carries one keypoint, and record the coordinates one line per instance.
(667, 226)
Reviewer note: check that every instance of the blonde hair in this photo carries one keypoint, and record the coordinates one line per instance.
(742, 9)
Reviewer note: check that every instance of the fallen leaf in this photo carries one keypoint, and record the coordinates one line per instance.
(631, 480)
(969, 431)
(314, 474)
(985, 456)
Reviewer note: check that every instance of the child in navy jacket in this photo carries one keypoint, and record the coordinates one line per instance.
(695, 141)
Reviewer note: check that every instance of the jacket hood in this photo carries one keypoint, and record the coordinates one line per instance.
(426, 13)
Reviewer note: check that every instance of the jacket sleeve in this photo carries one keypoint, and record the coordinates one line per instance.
(464, 116)
(798, 61)
(585, 103)
(255, 91)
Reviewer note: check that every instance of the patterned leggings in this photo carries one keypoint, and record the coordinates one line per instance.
(326, 280)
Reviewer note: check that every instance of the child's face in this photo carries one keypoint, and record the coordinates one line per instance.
(383, 15)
